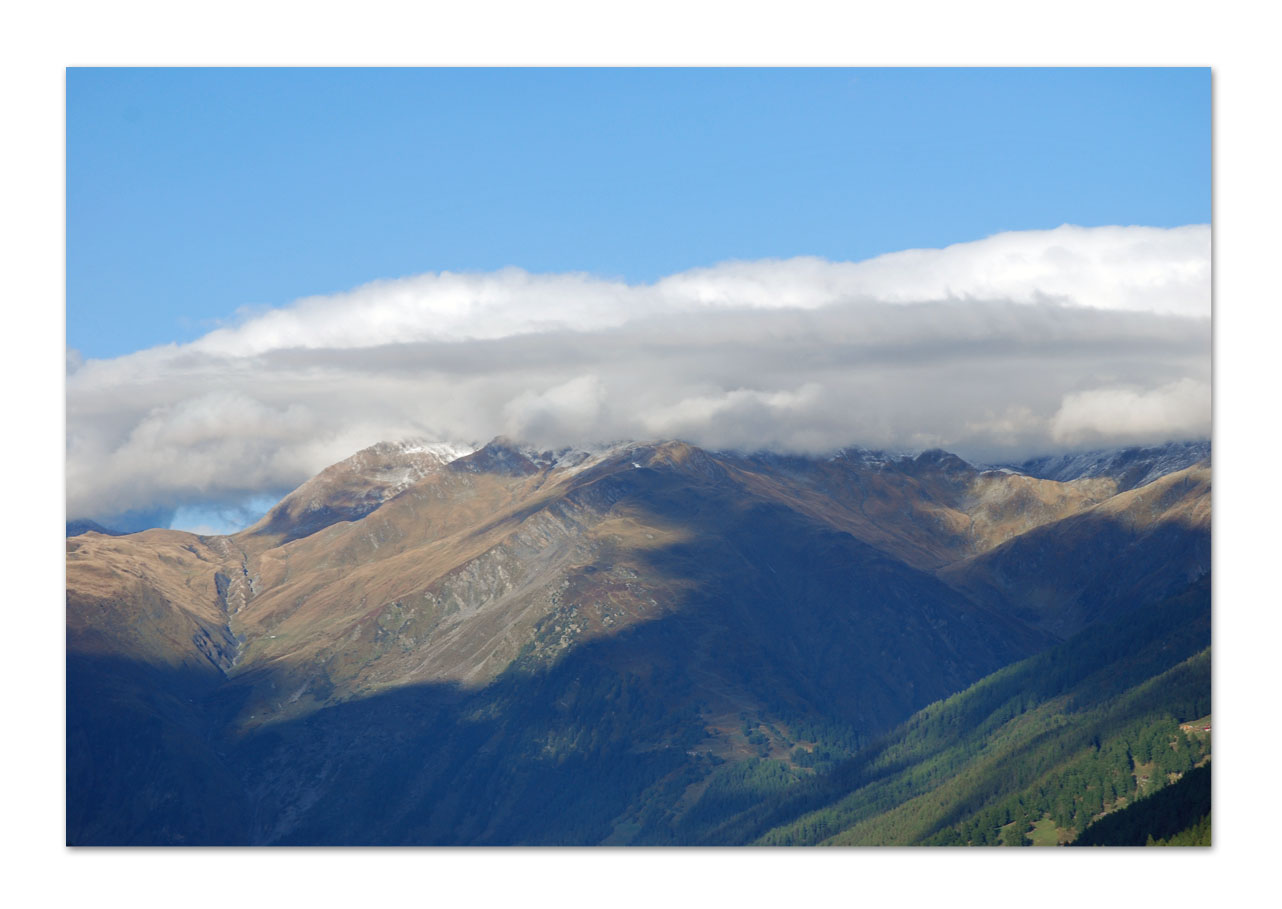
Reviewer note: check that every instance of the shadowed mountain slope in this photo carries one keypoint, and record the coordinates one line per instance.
(1057, 739)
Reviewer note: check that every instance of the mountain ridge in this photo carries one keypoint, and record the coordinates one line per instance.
(1132, 466)
(768, 607)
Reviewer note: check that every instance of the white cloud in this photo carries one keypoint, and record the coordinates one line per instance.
(1139, 269)
(1017, 343)
(1180, 408)
(568, 410)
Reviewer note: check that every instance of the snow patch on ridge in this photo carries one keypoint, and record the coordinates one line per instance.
(1133, 467)
(445, 451)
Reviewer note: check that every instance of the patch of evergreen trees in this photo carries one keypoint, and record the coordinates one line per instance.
(1178, 815)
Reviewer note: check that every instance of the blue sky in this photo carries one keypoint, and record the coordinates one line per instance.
(192, 193)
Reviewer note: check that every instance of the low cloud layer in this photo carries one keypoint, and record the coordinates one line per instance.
(1017, 344)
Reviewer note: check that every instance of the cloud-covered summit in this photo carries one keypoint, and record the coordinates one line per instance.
(1017, 344)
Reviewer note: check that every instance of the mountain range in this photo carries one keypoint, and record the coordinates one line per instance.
(644, 643)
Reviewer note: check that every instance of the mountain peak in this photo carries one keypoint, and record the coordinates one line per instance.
(939, 459)
(506, 455)
(501, 455)
(355, 486)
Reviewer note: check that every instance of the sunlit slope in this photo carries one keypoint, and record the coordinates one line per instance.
(160, 597)
(350, 489)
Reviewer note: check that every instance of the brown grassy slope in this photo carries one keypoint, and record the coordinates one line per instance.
(153, 597)
(450, 580)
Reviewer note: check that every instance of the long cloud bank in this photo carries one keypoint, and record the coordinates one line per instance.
(1020, 343)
